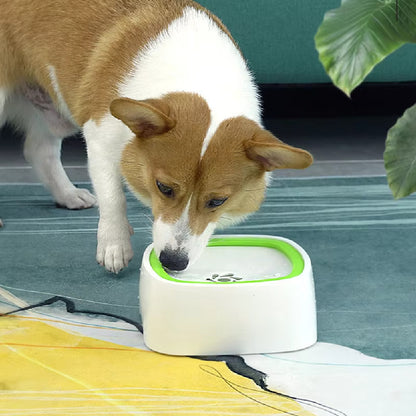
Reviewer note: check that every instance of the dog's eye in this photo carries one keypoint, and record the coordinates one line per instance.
(215, 203)
(166, 190)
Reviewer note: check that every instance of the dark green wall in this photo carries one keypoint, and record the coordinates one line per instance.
(276, 37)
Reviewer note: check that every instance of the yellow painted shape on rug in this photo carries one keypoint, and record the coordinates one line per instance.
(47, 371)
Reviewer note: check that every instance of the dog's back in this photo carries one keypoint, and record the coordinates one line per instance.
(89, 45)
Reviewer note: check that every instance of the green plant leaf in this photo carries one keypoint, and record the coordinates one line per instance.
(354, 38)
(400, 155)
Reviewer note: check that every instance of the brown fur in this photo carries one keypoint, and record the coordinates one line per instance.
(91, 44)
(172, 158)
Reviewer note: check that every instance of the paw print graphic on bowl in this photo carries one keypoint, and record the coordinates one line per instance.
(224, 278)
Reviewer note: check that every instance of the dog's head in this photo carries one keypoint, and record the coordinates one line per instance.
(196, 179)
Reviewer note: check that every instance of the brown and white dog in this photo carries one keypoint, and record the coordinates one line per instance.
(163, 98)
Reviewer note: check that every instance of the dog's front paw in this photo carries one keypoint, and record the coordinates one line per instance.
(76, 199)
(114, 251)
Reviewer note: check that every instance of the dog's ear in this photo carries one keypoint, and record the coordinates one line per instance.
(272, 153)
(145, 118)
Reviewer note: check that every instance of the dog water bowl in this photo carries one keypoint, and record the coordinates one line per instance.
(245, 295)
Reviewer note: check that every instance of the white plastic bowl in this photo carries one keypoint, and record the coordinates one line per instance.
(245, 295)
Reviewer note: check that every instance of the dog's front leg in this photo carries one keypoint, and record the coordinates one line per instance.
(105, 143)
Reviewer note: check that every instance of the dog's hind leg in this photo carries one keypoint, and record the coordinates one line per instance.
(42, 149)
(43, 152)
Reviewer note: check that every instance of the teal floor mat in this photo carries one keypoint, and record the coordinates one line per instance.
(360, 240)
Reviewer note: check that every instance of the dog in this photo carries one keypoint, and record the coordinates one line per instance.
(165, 101)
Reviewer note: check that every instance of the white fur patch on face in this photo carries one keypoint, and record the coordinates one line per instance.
(178, 237)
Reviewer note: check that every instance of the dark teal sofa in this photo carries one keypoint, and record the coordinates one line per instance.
(277, 38)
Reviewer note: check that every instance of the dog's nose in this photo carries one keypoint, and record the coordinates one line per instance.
(174, 260)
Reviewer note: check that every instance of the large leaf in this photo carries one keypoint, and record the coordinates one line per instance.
(354, 38)
(400, 155)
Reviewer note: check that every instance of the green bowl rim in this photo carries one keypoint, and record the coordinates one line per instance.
(295, 257)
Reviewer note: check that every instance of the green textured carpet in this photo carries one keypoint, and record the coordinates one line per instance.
(361, 243)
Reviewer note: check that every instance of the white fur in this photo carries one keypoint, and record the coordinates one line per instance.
(194, 55)
(178, 236)
(173, 236)
(105, 143)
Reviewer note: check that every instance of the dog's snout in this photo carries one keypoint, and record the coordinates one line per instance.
(174, 260)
